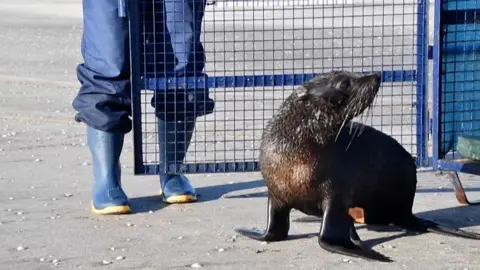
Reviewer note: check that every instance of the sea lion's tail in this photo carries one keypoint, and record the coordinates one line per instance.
(422, 225)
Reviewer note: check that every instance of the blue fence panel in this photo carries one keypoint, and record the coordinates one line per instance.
(257, 52)
(457, 86)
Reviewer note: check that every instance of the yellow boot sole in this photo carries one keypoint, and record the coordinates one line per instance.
(111, 210)
(178, 198)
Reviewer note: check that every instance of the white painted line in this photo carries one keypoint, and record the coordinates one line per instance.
(64, 10)
(303, 3)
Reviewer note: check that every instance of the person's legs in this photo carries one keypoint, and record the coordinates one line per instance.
(103, 100)
(177, 110)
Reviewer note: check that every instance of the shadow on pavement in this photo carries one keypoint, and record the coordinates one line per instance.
(146, 204)
(215, 192)
(205, 194)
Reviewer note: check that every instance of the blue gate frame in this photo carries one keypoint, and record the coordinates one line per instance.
(130, 9)
(456, 95)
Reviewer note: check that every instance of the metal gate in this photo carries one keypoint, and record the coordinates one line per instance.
(257, 52)
(456, 91)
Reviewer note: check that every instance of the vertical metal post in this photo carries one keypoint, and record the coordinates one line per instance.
(122, 8)
(437, 77)
(135, 81)
(421, 81)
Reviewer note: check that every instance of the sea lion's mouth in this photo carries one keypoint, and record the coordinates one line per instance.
(361, 100)
(363, 94)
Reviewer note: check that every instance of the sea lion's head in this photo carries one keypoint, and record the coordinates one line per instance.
(341, 93)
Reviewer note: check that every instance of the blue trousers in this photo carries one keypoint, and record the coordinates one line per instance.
(104, 98)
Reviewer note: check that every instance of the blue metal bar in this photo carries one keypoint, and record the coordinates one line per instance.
(198, 168)
(422, 80)
(260, 80)
(471, 167)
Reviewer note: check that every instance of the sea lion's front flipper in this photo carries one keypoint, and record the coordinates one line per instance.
(338, 235)
(278, 224)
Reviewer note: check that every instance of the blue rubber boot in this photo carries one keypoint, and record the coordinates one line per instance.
(107, 194)
(174, 139)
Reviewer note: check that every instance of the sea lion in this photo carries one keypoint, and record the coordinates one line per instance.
(311, 162)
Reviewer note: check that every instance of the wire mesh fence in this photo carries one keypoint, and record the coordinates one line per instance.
(456, 69)
(257, 52)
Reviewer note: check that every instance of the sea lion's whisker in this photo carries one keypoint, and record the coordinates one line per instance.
(341, 127)
(351, 137)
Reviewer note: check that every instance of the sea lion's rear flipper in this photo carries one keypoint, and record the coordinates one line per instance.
(338, 235)
(422, 225)
(278, 224)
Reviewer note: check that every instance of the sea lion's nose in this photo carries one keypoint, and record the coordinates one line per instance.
(377, 75)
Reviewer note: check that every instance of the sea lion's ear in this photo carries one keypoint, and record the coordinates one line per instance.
(335, 96)
(343, 84)
(301, 93)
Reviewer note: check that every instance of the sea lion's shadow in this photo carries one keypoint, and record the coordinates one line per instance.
(367, 242)
(457, 216)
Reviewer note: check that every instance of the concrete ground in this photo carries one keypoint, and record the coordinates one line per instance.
(46, 178)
